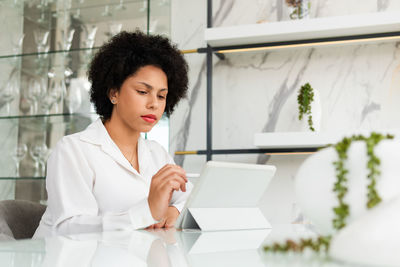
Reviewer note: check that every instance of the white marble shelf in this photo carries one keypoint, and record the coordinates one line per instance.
(360, 24)
(307, 139)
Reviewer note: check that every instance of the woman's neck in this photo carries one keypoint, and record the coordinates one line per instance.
(124, 136)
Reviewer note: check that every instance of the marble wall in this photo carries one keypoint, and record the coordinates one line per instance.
(256, 92)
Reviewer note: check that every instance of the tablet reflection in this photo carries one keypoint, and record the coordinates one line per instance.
(138, 248)
(223, 248)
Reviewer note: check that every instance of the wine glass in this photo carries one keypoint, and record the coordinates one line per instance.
(37, 151)
(67, 37)
(90, 36)
(18, 154)
(35, 92)
(106, 12)
(73, 98)
(43, 156)
(42, 18)
(47, 102)
(10, 91)
(41, 36)
(56, 90)
(77, 14)
(120, 6)
(17, 39)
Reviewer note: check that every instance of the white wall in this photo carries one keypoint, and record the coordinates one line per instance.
(256, 92)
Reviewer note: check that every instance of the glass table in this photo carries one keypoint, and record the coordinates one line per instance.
(162, 248)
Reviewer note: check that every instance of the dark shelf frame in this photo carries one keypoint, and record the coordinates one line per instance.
(219, 52)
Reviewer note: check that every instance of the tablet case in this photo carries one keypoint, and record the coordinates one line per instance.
(216, 219)
(237, 210)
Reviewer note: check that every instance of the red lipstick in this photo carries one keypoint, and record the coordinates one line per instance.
(149, 118)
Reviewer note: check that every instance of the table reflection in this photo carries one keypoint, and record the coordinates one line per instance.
(138, 248)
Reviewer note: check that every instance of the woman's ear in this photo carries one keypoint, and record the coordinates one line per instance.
(112, 95)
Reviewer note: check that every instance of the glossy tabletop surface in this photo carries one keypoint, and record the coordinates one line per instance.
(162, 248)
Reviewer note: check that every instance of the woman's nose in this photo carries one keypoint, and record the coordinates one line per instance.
(152, 102)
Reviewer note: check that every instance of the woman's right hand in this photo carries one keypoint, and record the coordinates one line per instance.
(168, 179)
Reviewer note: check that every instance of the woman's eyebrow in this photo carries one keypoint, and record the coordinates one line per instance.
(148, 86)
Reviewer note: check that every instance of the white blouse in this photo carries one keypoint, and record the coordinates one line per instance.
(92, 187)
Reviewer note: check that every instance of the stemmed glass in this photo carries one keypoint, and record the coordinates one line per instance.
(41, 37)
(35, 92)
(38, 152)
(77, 14)
(17, 40)
(67, 37)
(88, 43)
(73, 99)
(120, 6)
(106, 12)
(47, 101)
(90, 36)
(56, 89)
(18, 154)
(43, 156)
(10, 91)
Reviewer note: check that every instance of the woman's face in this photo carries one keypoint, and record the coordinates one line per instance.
(141, 100)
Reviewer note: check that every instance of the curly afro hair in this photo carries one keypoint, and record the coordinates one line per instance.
(123, 56)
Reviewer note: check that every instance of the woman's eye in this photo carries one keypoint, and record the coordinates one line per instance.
(161, 97)
(141, 92)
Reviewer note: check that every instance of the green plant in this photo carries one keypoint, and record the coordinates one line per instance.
(298, 10)
(304, 99)
(319, 244)
(340, 188)
(342, 211)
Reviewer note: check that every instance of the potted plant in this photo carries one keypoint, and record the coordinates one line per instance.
(308, 105)
(342, 189)
(299, 9)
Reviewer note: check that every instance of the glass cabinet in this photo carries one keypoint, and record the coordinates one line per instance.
(44, 55)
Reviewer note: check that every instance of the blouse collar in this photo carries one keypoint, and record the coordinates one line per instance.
(97, 134)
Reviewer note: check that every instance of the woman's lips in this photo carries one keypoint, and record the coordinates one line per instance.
(149, 118)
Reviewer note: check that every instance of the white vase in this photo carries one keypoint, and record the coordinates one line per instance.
(316, 112)
(316, 176)
(371, 239)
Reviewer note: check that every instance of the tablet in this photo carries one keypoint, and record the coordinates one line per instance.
(226, 185)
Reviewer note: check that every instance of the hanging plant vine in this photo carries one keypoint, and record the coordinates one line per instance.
(340, 188)
(304, 99)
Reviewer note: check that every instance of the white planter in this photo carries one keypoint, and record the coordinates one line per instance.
(316, 112)
(316, 176)
(372, 239)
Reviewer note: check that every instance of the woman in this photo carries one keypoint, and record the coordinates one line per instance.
(107, 177)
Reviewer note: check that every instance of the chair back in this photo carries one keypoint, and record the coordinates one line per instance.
(22, 217)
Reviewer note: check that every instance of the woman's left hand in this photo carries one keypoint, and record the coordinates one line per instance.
(168, 221)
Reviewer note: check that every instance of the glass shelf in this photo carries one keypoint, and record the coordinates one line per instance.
(44, 89)
(23, 178)
(49, 52)
(107, 18)
(70, 115)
